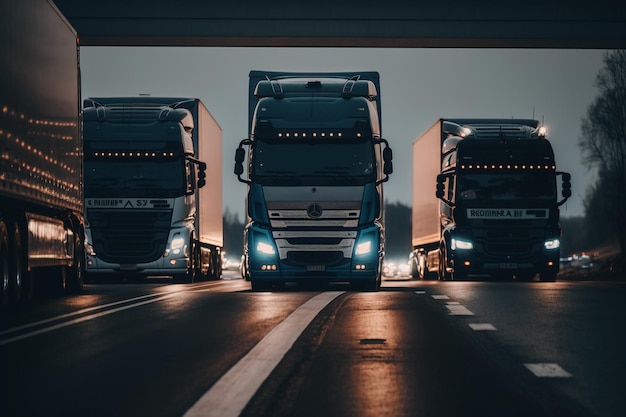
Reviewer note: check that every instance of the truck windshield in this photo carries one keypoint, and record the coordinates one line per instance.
(141, 178)
(508, 186)
(307, 163)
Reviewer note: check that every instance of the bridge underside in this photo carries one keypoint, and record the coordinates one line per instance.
(365, 23)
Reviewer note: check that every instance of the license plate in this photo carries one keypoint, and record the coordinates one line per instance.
(508, 266)
(315, 268)
(128, 267)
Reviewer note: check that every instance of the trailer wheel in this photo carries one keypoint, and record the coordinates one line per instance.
(4, 264)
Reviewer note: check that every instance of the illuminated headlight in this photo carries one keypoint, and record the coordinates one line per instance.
(177, 245)
(552, 244)
(265, 248)
(461, 244)
(363, 248)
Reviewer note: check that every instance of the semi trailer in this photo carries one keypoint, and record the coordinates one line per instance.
(41, 172)
(153, 188)
(486, 201)
(315, 172)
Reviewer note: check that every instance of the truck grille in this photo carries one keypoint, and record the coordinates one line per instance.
(516, 238)
(315, 258)
(129, 236)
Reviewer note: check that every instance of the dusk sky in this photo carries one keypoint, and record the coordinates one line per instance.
(418, 86)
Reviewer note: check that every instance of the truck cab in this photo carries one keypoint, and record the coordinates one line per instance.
(142, 190)
(315, 168)
(499, 201)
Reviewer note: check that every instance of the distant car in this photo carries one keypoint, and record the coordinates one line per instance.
(403, 269)
(230, 265)
(389, 269)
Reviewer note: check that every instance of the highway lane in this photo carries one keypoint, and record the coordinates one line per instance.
(156, 348)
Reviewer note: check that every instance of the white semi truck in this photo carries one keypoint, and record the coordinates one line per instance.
(153, 188)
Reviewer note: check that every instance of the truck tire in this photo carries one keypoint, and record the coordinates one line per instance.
(76, 278)
(215, 269)
(260, 285)
(547, 276)
(444, 275)
(21, 285)
(191, 274)
(415, 272)
(4, 264)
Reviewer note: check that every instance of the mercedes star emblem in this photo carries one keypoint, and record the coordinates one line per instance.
(314, 211)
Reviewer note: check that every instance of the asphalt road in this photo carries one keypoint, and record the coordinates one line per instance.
(412, 349)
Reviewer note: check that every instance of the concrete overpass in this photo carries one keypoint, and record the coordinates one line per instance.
(339, 23)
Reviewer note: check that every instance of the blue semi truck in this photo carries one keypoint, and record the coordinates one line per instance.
(316, 164)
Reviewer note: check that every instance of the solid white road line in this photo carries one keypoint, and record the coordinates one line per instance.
(229, 395)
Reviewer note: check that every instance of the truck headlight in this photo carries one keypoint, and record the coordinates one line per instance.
(265, 248)
(461, 244)
(552, 244)
(176, 245)
(363, 247)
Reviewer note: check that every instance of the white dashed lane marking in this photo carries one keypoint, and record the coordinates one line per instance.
(455, 309)
(440, 297)
(547, 370)
(482, 326)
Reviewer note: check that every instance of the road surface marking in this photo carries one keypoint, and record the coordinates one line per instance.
(84, 311)
(440, 297)
(420, 292)
(229, 396)
(82, 319)
(458, 310)
(547, 370)
(482, 326)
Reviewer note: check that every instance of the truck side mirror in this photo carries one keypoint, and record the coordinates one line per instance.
(240, 154)
(441, 187)
(387, 161)
(201, 175)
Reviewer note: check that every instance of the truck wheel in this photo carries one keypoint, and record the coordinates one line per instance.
(20, 281)
(260, 286)
(458, 275)
(191, 274)
(549, 276)
(444, 275)
(524, 276)
(216, 272)
(76, 279)
(415, 271)
(4, 264)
